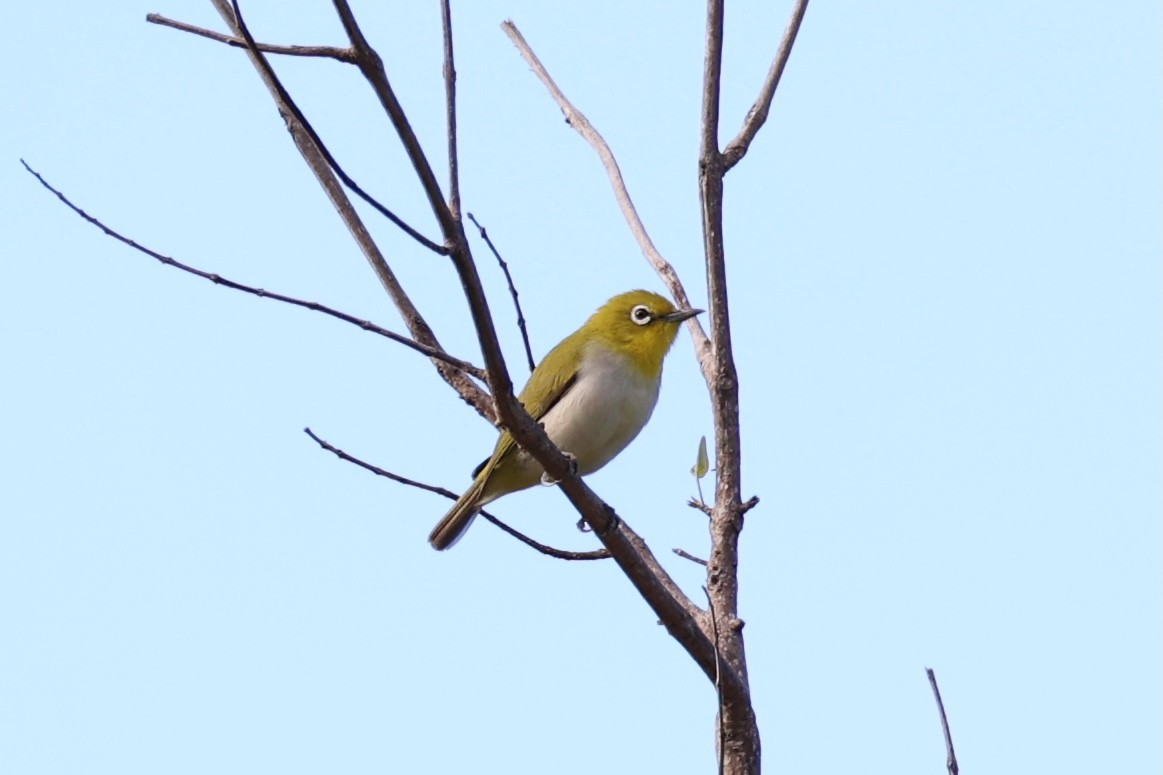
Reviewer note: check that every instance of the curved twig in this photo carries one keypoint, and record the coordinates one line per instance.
(217, 279)
(561, 554)
(512, 292)
(950, 755)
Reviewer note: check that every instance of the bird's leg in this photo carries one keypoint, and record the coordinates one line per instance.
(549, 481)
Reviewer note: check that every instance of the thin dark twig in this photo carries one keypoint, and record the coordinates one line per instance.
(512, 292)
(324, 52)
(718, 685)
(217, 279)
(687, 556)
(737, 148)
(310, 130)
(748, 504)
(950, 756)
(450, 110)
(561, 554)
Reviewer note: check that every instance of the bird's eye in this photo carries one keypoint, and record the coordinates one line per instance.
(641, 314)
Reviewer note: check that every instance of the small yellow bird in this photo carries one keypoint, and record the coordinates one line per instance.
(593, 393)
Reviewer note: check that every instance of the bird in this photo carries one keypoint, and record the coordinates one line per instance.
(592, 393)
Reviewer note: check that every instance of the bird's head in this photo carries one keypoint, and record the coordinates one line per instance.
(640, 325)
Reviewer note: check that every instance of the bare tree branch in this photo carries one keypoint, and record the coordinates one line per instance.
(737, 148)
(950, 755)
(323, 52)
(561, 554)
(741, 733)
(217, 279)
(579, 122)
(317, 162)
(512, 292)
(450, 110)
(285, 101)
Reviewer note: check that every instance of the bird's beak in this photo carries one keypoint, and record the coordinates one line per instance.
(679, 315)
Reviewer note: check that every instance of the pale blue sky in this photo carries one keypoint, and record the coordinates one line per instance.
(945, 264)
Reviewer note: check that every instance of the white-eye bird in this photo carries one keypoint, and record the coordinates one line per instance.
(593, 393)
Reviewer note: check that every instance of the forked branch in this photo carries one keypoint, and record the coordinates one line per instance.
(756, 117)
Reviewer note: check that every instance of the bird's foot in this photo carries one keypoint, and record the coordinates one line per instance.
(549, 481)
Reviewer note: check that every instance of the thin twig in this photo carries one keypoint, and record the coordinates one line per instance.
(718, 685)
(950, 755)
(512, 292)
(450, 110)
(217, 279)
(561, 554)
(687, 556)
(285, 97)
(579, 122)
(324, 52)
(737, 148)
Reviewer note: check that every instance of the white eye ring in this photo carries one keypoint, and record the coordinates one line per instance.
(641, 314)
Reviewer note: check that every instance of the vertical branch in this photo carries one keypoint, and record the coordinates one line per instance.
(712, 72)
(739, 731)
(741, 734)
(450, 109)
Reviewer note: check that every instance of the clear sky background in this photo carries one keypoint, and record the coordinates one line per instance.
(944, 254)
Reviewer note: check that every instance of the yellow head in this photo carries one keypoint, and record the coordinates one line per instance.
(639, 324)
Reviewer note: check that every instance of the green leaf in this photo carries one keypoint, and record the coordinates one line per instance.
(702, 464)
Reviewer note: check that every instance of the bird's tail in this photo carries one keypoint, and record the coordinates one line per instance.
(453, 524)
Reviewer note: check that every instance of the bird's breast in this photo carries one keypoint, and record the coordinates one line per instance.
(606, 407)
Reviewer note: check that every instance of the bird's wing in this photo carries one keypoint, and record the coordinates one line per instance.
(550, 381)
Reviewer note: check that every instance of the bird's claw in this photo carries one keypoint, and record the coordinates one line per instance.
(549, 481)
